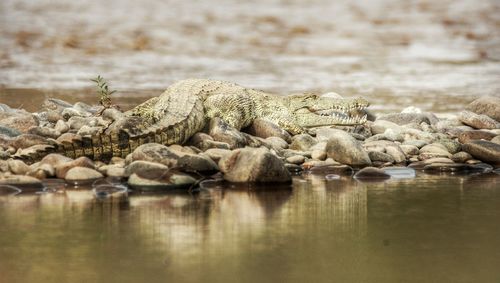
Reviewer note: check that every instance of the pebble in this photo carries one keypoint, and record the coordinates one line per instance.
(345, 149)
(302, 142)
(478, 121)
(485, 151)
(62, 169)
(220, 131)
(467, 136)
(296, 159)
(461, 157)
(154, 152)
(77, 174)
(264, 129)
(155, 180)
(140, 167)
(380, 156)
(197, 163)
(486, 105)
(371, 173)
(61, 127)
(18, 167)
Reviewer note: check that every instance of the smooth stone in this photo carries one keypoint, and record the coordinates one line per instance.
(21, 180)
(414, 134)
(9, 132)
(217, 153)
(197, 163)
(253, 165)
(264, 129)
(467, 136)
(380, 156)
(27, 140)
(379, 145)
(461, 157)
(140, 166)
(155, 180)
(81, 162)
(331, 169)
(486, 105)
(154, 152)
(371, 173)
(380, 126)
(478, 121)
(42, 171)
(421, 164)
(220, 131)
(409, 150)
(485, 151)
(496, 140)
(44, 132)
(405, 118)
(397, 153)
(400, 172)
(318, 154)
(318, 163)
(296, 159)
(345, 149)
(200, 140)
(68, 138)
(88, 131)
(450, 145)
(112, 171)
(18, 167)
(61, 127)
(276, 143)
(68, 113)
(416, 143)
(56, 105)
(20, 121)
(302, 142)
(82, 174)
(433, 150)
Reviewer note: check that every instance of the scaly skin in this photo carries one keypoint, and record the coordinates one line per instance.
(186, 106)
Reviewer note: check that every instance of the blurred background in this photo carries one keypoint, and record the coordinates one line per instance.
(437, 55)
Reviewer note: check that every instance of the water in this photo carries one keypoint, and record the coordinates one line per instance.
(428, 229)
(437, 55)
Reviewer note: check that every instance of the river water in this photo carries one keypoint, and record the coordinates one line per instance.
(426, 229)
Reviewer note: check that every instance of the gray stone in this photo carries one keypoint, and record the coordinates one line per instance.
(417, 143)
(20, 121)
(62, 169)
(397, 153)
(220, 131)
(217, 153)
(296, 159)
(409, 150)
(345, 149)
(478, 121)
(380, 126)
(433, 150)
(254, 165)
(302, 142)
(82, 174)
(380, 156)
(485, 151)
(9, 132)
(88, 131)
(264, 129)
(405, 118)
(140, 167)
(44, 132)
(486, 105)
(27, 140)
(371, 173)
(197, 163)
(21, 180)
(154, 180)
(451, 146)
(461, 157)
(467, 136)
(276, 143)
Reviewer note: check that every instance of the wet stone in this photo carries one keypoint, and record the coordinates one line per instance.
(345, 149)
(405, 118)
(293, 168)
(302, 142)
(478, 121)
(21, 181)
(220, 131)
(371, 173)
(467, 136)
(159, 180)
(380, 156)
(461, 157)
(331, 177)
(140, 167)
(154, 152)
(264, 129)
(18, 167)
(446, 167)
(79, 174)
(296, 159)
(483, 150)
(331, 169)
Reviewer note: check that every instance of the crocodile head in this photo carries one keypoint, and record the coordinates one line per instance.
(312, 110)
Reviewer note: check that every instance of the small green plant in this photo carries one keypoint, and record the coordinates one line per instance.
(103, 91)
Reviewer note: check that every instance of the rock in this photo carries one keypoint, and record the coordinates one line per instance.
(21, 181)
(467, 136)
(222, 132)
(345, 149)
(53, 116)
(61, 127)
(445, 167)
(380, 156)
(276, 143)
(82, 174)
(20, 121)
(296, 159)
(252, 141)
(478, 121)
(112, 171)
(9, 132)
(318, 154)
(264, 129)
(44, 132)
(397, 153)
(405, 118)
(461, 157)
(486, 105)
(84, 107)
(115, 160)
(154, 180)
(56, 105)
(254, 165)
(197, 163)
(42, 171)
(409, 150)
(434, 150)
(27, 140)
(485, 151)
(141, 167)
(62, 169)
(496, 140)
(450, 145)
(68, 138)
(4, 155)
(154, 152)
(417, 143)
(308, 165)
(201, 141)
(331, 169)
(18, 167)
(88, 131)
(371, 173)
(414, 134)
(217, 153)
(55, 159)
(423, 163)
(302, 142)
(68, 113)
(380, 126)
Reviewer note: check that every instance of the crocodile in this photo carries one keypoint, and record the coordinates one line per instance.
(186, 106)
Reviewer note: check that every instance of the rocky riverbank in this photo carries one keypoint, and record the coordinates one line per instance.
(263, 153)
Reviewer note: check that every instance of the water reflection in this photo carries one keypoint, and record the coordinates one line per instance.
(314, 231)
